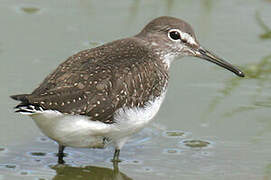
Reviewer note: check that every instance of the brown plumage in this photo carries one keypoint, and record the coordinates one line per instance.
(112, 91)
(98, 81)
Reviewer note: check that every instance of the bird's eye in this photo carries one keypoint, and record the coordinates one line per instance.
(175, 35)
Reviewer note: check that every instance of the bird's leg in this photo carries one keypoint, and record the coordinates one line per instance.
(118, 145)
(116, 156)
(115, 167)
(60, 154)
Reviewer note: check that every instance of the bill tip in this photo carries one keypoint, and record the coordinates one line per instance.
(240, 74)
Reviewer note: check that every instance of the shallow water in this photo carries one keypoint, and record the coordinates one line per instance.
(212, 125)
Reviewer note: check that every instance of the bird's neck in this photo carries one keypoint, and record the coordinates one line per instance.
(160, 50)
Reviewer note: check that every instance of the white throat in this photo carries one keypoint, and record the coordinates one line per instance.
(168, 59)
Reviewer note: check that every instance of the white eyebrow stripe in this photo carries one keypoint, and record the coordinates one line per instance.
(188, 38)
(185, 36)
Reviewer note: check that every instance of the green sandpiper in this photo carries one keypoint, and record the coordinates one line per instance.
(106, 94)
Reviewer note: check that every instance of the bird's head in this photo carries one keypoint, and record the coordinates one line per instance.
(173, 38)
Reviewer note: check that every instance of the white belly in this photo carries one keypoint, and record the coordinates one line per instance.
(79, 131)
(130, 121)
(71, 130)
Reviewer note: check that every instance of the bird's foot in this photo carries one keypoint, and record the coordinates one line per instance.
(61, 161)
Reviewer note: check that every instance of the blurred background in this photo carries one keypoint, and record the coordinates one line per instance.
(212, 125)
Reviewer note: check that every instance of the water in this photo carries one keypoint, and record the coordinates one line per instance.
(212, 125)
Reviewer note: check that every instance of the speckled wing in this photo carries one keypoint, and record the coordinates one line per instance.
(99, 81)
(78, 86)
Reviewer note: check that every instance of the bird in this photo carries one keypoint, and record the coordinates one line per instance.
(104, 95)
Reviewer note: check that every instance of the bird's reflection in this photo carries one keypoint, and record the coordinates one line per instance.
(66, 172)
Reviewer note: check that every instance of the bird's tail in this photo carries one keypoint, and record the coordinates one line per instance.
(25, 107)
(20, 97)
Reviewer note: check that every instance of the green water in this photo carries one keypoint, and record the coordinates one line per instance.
(212, 124)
